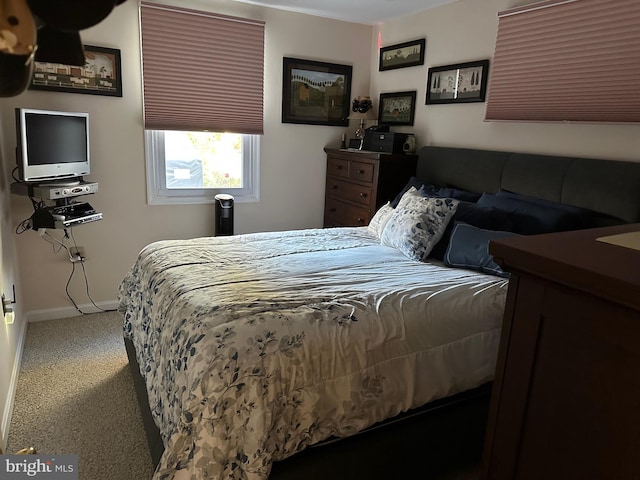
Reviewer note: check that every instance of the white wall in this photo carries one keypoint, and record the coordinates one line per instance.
(465, 31)
(291, 171)
(11, 336)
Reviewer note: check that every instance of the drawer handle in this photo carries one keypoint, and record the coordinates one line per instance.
(338, 167)
(360, 220)
(334, 187)
(361, 172)
(332, 209)
(363, 195)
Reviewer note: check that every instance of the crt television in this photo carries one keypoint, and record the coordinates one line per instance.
(52, 146)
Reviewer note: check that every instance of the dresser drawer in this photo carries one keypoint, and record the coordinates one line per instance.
(350, 191)
(337, 214)
(338, 167)
(361, 171)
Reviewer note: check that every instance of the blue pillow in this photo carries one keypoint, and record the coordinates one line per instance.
(581, 213)
(413, 182)
(481, 216)
(469, 248)
(449, 192)
(533, 218)
(427, 190)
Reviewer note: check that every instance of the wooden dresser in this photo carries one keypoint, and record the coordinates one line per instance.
(566, 396)
(359, 182)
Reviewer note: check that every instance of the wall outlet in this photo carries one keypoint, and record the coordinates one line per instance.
(77, 254)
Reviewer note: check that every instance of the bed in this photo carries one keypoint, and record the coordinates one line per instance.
(348, 352)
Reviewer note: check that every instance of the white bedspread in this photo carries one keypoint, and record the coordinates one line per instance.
(256, 346)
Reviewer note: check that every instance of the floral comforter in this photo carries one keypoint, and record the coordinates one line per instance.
(255, 346)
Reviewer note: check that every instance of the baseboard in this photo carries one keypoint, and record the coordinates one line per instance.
(37, 316)
(66, 312)
(13, 385)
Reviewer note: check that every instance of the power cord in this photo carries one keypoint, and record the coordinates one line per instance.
(58, 245)
(86, 280)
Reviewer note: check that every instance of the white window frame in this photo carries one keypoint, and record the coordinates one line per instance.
(159, 194)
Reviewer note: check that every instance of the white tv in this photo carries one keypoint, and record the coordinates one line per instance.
(52, 147)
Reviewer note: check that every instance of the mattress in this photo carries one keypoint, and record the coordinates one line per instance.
(255, 346)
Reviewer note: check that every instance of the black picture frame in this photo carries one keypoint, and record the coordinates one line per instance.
(100, 75)
(401, 55)
(458, 83)
(315, 93)
(398, 108)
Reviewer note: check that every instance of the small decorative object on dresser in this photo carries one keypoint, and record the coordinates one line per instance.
(358, 183)
(362, 110)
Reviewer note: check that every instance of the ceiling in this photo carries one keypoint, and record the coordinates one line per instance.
(357, 11)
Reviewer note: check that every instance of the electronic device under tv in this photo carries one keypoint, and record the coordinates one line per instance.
(52, 147)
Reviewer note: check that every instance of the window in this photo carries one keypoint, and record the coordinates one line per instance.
(193, 88)
(192, 167)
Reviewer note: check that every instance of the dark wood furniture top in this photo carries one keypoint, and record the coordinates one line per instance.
(359, 182)
(566, 395)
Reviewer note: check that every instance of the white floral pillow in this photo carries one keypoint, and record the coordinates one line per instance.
(417, 223)
(380, 219)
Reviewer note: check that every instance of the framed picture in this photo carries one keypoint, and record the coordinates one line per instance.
(407, 54)
(315, 93)
(460, 83)
(100, 74)
(397, 108)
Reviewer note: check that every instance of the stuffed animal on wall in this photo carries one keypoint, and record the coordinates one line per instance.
(44, 31)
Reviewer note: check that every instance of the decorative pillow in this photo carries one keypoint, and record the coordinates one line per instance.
(380, 219)
(469, 248)
(533, 218)
(417, 223)
(481, 216)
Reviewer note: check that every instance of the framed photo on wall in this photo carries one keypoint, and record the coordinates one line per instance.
(400, 55)
(100, 74)
(315, 93)
(459, 83)
(397, 108)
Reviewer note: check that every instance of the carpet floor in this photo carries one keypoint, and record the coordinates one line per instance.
(75, 395)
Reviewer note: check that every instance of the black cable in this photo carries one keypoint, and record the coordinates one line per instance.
(23, 226)
(13, 175)
(86, 280)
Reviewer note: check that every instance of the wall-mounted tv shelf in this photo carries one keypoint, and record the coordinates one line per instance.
(66, 211)
(52, 191)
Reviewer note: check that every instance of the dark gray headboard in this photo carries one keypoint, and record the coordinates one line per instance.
(606, 186)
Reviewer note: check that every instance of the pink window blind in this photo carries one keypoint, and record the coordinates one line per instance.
(567, 61)
(201, 71)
